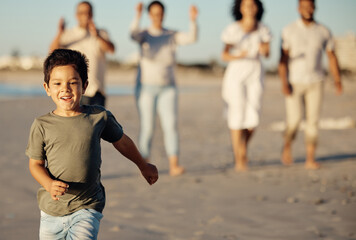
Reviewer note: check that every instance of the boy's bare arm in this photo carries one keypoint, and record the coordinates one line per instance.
(128, 149)
(40, 173)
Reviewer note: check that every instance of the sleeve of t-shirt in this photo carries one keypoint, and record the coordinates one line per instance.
(35, 147)
(113, 130)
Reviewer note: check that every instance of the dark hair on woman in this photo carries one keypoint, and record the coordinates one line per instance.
(63, 57)
(236, 12)
(154, 3)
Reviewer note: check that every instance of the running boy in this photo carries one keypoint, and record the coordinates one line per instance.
(65, 153)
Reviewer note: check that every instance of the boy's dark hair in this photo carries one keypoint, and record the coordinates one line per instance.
(236, 12)
(313, 1)
(154, 3)
(63, 57)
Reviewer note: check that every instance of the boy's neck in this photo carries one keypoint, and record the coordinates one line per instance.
(70, 113)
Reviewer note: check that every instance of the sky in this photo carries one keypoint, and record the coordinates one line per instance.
(29, 26)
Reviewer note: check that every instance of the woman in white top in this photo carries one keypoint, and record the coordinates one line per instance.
(156, 89)
(245, 41)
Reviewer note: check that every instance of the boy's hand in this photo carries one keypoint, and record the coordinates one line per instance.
(338, 88)
(57, 188)
(128, 149)
(150, 173)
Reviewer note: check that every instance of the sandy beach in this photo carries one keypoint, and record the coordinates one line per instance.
(211, 201)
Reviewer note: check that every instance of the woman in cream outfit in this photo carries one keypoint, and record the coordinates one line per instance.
(246, 40)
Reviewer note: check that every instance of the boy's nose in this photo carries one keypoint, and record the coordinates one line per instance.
(65, 88)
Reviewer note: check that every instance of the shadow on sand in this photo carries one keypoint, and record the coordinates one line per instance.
(330, 158)
(210, 170)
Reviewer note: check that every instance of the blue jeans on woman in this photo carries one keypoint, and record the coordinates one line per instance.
(163, 100)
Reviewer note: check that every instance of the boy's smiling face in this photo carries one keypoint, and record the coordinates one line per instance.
(65, 88)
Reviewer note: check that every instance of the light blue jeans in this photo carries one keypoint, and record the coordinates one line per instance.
(164, 101)
(82, 225)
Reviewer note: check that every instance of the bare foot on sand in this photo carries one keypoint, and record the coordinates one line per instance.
(310, 162)
(176, 171)
(287, 159)
(174, 168)
(241, 166)
(312, 165)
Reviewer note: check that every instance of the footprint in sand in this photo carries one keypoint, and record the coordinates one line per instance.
(115, 229)
(214, 220)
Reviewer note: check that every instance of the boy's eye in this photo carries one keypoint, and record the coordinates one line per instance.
(74, 83)
(56, 83)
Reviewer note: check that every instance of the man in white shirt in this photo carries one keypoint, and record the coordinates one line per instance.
(94, 43)
(302, 76)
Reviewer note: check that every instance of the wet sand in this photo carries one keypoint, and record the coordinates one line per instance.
(210, 201)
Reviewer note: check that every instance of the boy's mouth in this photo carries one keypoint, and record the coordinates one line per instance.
(66, 98)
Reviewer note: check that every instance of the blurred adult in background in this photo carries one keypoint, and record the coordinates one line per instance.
(156, 87)
(302, 76)
(246, 40)
(94, 43)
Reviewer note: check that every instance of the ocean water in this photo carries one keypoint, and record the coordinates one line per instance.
(10, 91)
(13, 90)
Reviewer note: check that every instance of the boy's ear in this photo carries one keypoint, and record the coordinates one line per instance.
(85, 86)
(45, 85)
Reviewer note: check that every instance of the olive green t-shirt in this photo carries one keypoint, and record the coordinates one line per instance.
(71, 148)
